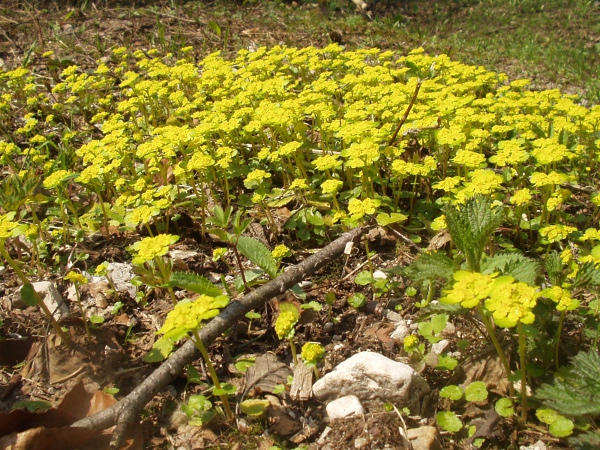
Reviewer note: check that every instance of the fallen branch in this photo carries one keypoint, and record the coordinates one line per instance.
(126, 411)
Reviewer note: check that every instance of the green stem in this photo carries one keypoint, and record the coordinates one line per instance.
(294, 353)
(558, 333)
(85, 324)
(522, 352)
(166, 277)
(490, 329)
(213, 375)
(39, 301)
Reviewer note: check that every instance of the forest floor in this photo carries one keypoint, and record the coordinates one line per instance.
(554, 43)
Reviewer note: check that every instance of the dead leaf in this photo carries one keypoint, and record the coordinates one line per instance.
(49, 430)
(266, 373)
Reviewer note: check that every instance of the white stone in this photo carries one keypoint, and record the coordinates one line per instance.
(344, 407)
(401, 332)
(51, 298)
(439, 347)
(374, 379)
(539, 445)
(121, 274)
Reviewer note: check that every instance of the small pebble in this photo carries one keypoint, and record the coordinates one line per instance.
(328, 327)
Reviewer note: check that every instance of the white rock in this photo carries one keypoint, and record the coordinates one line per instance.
(393, 316)
(539, 445)
(402, 331)
(439, 347)
(344, 407)
(121, 274)
(51, 298)
(374, 379)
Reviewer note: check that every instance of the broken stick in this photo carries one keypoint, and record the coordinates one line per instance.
(126, 411)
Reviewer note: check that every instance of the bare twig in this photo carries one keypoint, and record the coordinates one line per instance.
(126, 411)
(406, 113)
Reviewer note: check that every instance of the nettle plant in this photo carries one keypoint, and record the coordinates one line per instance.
(500, 290)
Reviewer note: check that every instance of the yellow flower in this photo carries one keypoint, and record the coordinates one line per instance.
(76, 277)
(358, 208)
(521, 197)
(511, 303)
(312, 353)
(56, 178)
(331, 186)
(555, 233)
(469, 289)
(562, 298)
(287, 319)
(151, 247)
(281, 251)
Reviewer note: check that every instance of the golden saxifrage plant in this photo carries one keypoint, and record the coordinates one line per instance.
(337, 137)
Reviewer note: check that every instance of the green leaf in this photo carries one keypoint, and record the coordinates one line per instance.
(504, 407)
(446, 362)
(515, 265)
(554, 268)
(251, 275)
(32, 405)
(279, 389)
(452, 392)
(194, 283)
(363, 278)
(96, 320)
(385, 219)
(576, 390)
(562, 427)
(357, 301)
(258, 253)
(252, 315)
(448, 421)
(429, 267)
(476, 392)
(244, 363)
(254, 407)
(226, 389)
(193, 376)
(28, 294)
(314, 305)
(471, 227)
(161, 350)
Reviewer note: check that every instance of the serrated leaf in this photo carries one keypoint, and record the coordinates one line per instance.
(471, 226)
(448, 421)
(504, 407)
(515, 265)
(452, 392)
(429, 267)
(258, 253)
(575, 391)
(254, 407)
(194, 283)
(476, 392)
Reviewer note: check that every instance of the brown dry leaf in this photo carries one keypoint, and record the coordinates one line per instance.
(484, 366)
(266, 373)
(382, 332)
(49, 430)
